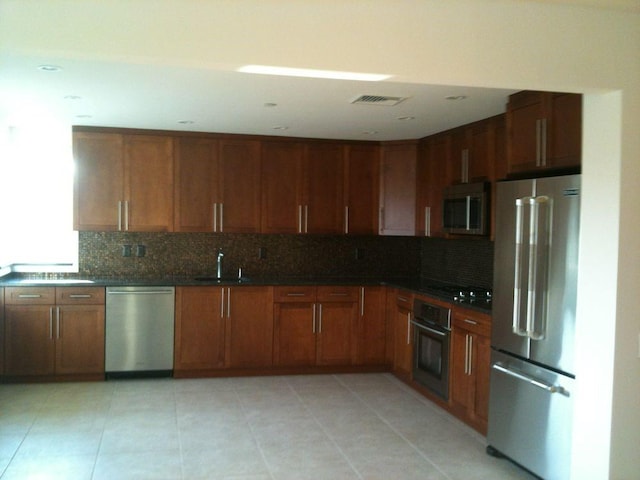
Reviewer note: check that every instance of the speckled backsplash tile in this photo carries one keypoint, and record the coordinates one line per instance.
(192, 254)
(459, 261)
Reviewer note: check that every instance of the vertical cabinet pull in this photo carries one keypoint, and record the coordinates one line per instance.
(362, 301)
(299, 218)
(51, 323)
(229, 302)
(408, 328)
(306, 219)
(222, 303)
(427, 221)
(221, 217)
(470, 354)
(215, 217)
(313, 322)
(346, 219)
(57, 322)
(320, 318)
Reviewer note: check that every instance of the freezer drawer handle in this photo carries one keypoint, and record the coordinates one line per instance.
(531, 380)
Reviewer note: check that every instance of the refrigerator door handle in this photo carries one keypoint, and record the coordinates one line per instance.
(533, 381)
(539, 236)
(520, 255)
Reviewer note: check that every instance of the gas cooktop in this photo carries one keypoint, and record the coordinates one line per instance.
(480, 296)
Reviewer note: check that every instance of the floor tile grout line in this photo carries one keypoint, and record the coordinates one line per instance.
(397, 432)
(328, 435)
(253, 436)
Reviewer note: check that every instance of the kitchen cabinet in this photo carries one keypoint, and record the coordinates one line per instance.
(473, 152)
(282, 210)
(123, 182)
(470, 366)
(544, 131)
(432, 177)
(217, 185)
(400, 314)
(372, 326)
(361, 189)
(249, 327)
(223, 327)
(323, 177)
(54, 331)
(398, 189)
(200, 328)
(314, 325)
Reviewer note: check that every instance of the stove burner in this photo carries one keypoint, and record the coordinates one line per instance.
(463, 294)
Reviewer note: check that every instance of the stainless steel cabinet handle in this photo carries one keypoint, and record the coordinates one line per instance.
(533, 381)
(80, 295)
(346, 219)
(320, 318)
(362, 301)
(470, 356)
(29, 295)
(295, 294)
(126, 215)
(409, 328)
(221, 217)
(229, 302)
(306, 219)
(50, 323)
(119, 215)
(403, 299)
(427, 221)
(472, 322)
(313, 323)
(58, 322)
(466, 354)
(299, 218)
(215, 217)
(465, 166)
(222, 303)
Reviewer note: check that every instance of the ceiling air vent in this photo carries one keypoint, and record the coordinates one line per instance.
(378, 100)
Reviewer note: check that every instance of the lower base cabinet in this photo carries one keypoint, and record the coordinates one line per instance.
(372, 327)
(54, 331)
(400, 305)
(470, 367)
(223, 327)
(314, 326)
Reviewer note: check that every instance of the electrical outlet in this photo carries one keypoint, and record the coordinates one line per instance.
(358, 253)
(126, 250)
(141, 250)
(262, 253)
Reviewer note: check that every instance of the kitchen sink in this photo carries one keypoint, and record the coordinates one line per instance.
(222, 279)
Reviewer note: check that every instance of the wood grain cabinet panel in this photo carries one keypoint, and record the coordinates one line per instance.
(433, 175)
(323, 188)
(398, 189)
(372, 326)
(361, 191)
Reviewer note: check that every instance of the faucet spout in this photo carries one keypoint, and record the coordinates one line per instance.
(219, 263)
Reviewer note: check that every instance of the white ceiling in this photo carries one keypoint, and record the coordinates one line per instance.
(154, 76)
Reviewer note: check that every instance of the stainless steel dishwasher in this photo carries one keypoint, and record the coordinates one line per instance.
(139, 331)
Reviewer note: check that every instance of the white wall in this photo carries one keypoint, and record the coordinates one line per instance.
(493, 43)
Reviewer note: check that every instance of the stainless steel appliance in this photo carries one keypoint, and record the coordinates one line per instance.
(432, 332)
(139, 331)
(464, 208)
(534, 305)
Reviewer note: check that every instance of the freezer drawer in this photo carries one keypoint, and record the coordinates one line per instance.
(530, 416)
(139, 329)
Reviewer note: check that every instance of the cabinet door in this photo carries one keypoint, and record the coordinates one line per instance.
(481, 368)
(564, 134)
(334, 327)
(524, 112)
(362, 177)
(481, 151)
(239, 186)
(148, 183)
(398, 190)
(98, 181)
(433, 176)
(294, 334)
(281, 188)
(195, 184)
(460, 154)
(29, 335)
(403, 335)
(249, 338)
(200, 328)
(323, 193)
(461, 382)
(79, 339)
(372, 328)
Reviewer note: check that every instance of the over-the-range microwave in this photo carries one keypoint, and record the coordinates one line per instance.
(465, 208)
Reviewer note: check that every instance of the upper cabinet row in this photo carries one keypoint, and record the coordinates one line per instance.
(133, 181)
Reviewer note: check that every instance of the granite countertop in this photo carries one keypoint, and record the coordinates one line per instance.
(412, 284)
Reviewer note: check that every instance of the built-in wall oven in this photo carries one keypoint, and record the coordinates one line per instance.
(432, 336)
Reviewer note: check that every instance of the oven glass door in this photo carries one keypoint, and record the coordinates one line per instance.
(431, 359)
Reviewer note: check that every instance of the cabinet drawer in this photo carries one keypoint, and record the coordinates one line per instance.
(294, 294)
(80, 295)
(404, 300)
(472, 321)
(338, 294)
(29, 295)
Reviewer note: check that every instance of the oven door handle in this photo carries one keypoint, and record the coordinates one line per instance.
(437, 332)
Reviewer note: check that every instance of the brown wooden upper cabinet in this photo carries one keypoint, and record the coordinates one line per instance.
(361, 187)
(217, 187)
(472, 152)
(432, 176)
(398, 189)
(302, 187)
(544, 131)
(123, 182)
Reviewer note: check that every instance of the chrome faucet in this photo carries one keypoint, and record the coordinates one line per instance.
(219, 263)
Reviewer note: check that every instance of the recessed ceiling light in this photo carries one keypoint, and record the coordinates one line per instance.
(186, 122)
(406, 118)
(270, 104)
(72, 97)
(84, 116)
(312, 73)
(281, 127)
(456, 97)
(370, 132)
(49, 68)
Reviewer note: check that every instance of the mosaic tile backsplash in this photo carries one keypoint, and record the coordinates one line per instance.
(303, 256)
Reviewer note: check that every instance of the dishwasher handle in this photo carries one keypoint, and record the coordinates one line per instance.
(138, 292)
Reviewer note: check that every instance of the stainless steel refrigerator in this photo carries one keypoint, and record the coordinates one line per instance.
(534, 306)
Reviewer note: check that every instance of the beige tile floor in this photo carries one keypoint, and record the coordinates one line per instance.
(368, 426)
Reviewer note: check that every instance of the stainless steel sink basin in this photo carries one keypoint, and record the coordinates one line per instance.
(221, 279)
